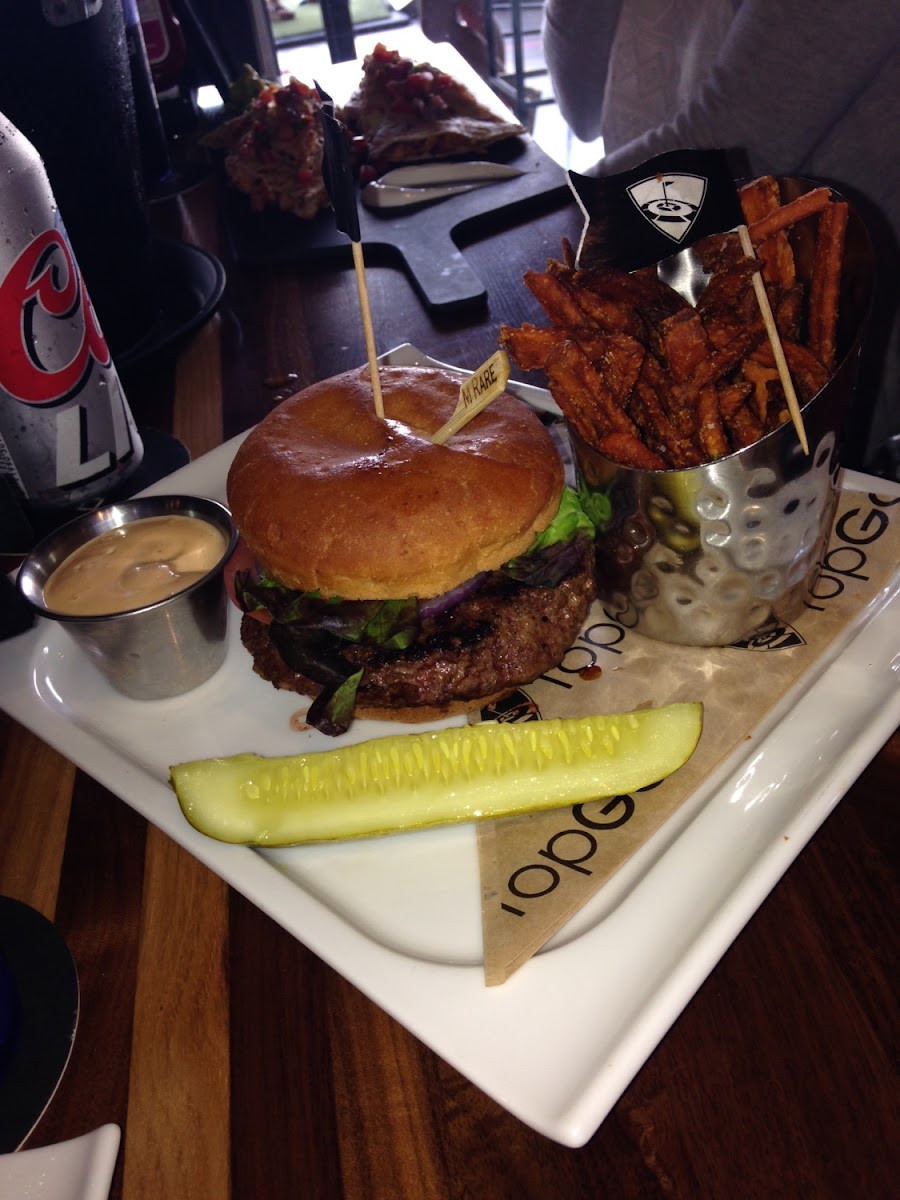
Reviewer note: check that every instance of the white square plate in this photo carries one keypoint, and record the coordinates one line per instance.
(400, 917)
(80, 1169)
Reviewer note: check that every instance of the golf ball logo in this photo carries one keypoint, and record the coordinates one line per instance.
(670, 202)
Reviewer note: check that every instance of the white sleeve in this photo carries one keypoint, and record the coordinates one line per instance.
(783, 77)
(577, 38)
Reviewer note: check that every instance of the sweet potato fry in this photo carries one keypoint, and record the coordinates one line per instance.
(617, 357)
(730, 291)
(779, 268)
(610, 315)
(577, 385)
(760, 376)
(531, 345)
(789, 214)
(787, 309)
(723, 330)
(569, 254)
(778, 414)
(630, 451)
(652, 298)
(709, 424)
(683, 416)
(718, 251)
(554, 297)
(683, 343)
(823, 296)
(721, 361)
(758, 200)
(732, 396)
(743, 428)
(808, 373)
(759, 197)
(658, 430)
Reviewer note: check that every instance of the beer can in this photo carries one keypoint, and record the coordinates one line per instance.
(67, 435)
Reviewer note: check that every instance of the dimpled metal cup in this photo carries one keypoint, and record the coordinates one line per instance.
(159, 650)
(706, 555)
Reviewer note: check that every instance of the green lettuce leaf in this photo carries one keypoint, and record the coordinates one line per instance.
(393, 623)
(558, 549)
(571, 518)
(595, 505)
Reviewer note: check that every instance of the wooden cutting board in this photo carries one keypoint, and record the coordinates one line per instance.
(425, 241)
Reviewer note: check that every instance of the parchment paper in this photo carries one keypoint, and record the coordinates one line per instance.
(537, 871)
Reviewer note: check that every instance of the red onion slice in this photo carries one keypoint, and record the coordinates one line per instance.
(447, 600)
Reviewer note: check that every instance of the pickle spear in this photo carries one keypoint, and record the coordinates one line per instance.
(411, 781)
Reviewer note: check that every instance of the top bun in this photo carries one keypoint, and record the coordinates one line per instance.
(330, 498)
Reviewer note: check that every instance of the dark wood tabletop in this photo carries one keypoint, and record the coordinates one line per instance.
(239, 1065)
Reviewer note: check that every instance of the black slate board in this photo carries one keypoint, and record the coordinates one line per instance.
(424, 240)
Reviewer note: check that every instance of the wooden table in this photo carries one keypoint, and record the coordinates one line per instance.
(239, 1065)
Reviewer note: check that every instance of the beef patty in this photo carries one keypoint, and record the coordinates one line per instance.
(503, 636)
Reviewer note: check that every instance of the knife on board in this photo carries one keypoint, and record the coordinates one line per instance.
(424, 183)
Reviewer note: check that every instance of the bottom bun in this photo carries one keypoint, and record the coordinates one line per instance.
(419, 714)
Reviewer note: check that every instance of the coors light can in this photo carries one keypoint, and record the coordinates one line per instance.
(67, 436)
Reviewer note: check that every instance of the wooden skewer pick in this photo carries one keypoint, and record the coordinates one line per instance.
(367, 326)
(475, 394)
(337, 175)
(777, 349)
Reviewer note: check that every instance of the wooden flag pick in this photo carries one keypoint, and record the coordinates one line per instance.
(784, 373)
(337, 174)
(475, 394)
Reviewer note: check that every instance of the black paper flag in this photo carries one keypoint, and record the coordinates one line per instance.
(656, 209)
(337, 172)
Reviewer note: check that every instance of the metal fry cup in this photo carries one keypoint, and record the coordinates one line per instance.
(161, 649)
(706, 555)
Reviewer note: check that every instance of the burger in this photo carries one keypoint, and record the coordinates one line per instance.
(393, 578)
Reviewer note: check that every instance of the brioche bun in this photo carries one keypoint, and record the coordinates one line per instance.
(329, 497)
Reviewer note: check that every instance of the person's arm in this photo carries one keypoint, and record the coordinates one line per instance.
(784, 75)
(461, 23)
(577, 37)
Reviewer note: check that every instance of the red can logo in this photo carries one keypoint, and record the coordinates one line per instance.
(43, 296)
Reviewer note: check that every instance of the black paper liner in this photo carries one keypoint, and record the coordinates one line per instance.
(189, 282)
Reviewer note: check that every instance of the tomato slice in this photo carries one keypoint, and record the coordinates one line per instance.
(242, 560)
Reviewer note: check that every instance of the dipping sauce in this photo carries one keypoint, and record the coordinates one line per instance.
(134, 565)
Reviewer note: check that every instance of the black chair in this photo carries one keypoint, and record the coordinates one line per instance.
(515, 21)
